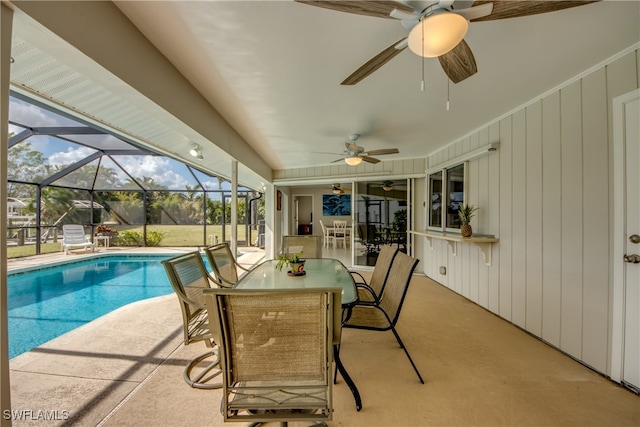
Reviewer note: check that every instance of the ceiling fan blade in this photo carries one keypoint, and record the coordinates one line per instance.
(379, 9)
(459, 62)
(514, 9)
(341, 159)
(370, 159)
(476, 12)
(352, 147)
(382, 152)
(376, 62)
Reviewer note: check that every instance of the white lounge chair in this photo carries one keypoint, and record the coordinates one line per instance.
(73, 236)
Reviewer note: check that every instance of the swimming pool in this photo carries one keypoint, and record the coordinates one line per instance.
(47, 302)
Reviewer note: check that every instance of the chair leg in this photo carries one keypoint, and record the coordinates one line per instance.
(208, 373)
(395, 333)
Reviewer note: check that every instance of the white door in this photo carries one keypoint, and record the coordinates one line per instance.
(631, 352)
(625, 339)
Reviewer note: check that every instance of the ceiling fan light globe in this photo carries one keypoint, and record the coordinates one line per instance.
(387, 188)
(353, 160)
(442, 30)
(196, 151)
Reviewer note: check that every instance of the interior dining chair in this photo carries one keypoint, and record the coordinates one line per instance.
(371, 292)
(339, 233)
(223, 265)
(384, 316)
(276, 352)
(189, 277)
(310, 246)
(327, 234)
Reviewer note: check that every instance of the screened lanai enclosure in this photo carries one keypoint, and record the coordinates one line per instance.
(63, 171)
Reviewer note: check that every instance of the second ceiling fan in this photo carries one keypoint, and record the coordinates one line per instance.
(355, 154)
(437, 28)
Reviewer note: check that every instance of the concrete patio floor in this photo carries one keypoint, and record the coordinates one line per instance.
(125, 369)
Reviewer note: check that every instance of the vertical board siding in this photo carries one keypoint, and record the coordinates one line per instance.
(534, 219)
(596, 218)
(572, 231)
(519, 221)
(493, 212)
(506, 218)
(551, 220)
(546, 194)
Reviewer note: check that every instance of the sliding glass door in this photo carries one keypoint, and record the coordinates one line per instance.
(382, 212)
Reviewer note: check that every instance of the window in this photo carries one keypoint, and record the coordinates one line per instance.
(455, 194)
(435, 191)
(446, 189)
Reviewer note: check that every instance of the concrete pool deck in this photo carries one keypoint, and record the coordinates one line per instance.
(81, 376)
(125, 369)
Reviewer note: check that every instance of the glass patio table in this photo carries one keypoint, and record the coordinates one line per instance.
(319, 273)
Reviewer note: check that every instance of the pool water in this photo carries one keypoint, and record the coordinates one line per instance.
(45, 303)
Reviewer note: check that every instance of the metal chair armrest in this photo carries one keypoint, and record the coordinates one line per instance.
(355, 273)
(370, 290)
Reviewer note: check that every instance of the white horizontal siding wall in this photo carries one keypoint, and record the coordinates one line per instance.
(404, 167)
(546, 194)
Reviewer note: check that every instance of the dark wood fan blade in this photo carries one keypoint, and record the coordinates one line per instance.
(374, 63)
(513, 9)
(370, 159)
(379, 9)
(339, 160)
(459, 62)
(383, 151)
(352, 147)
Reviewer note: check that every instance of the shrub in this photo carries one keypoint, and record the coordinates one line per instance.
(130, 238)
(136, 238)
(154, 238)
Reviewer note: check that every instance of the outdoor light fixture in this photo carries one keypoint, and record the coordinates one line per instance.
(387, 185)
(437, 33)
(196, 151)
(353, 160)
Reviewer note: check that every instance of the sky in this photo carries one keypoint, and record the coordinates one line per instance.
(163, 170)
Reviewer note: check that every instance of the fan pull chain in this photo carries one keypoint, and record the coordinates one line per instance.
(423, 59)
(448, 81)
(422, 82)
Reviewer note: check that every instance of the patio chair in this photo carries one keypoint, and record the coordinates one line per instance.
(371, 292)
(276, 352)
(223, 265)
(384, 316)
(74, 237)
(188, 276)
(310, 246)
(370, 238)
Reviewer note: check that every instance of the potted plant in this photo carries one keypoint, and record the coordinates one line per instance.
(465, 214)
(295, 262)
(104, 230)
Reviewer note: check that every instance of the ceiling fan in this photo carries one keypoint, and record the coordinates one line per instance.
(355, 154)
(437, 28)
(337, 189)
(387, 185)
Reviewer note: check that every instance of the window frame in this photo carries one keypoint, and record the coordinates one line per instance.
(445, 196)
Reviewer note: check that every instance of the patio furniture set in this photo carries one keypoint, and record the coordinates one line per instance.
(273, 339)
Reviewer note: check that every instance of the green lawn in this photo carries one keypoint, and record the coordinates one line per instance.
(173, 235)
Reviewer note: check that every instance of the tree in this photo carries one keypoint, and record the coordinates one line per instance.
(26, 165)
